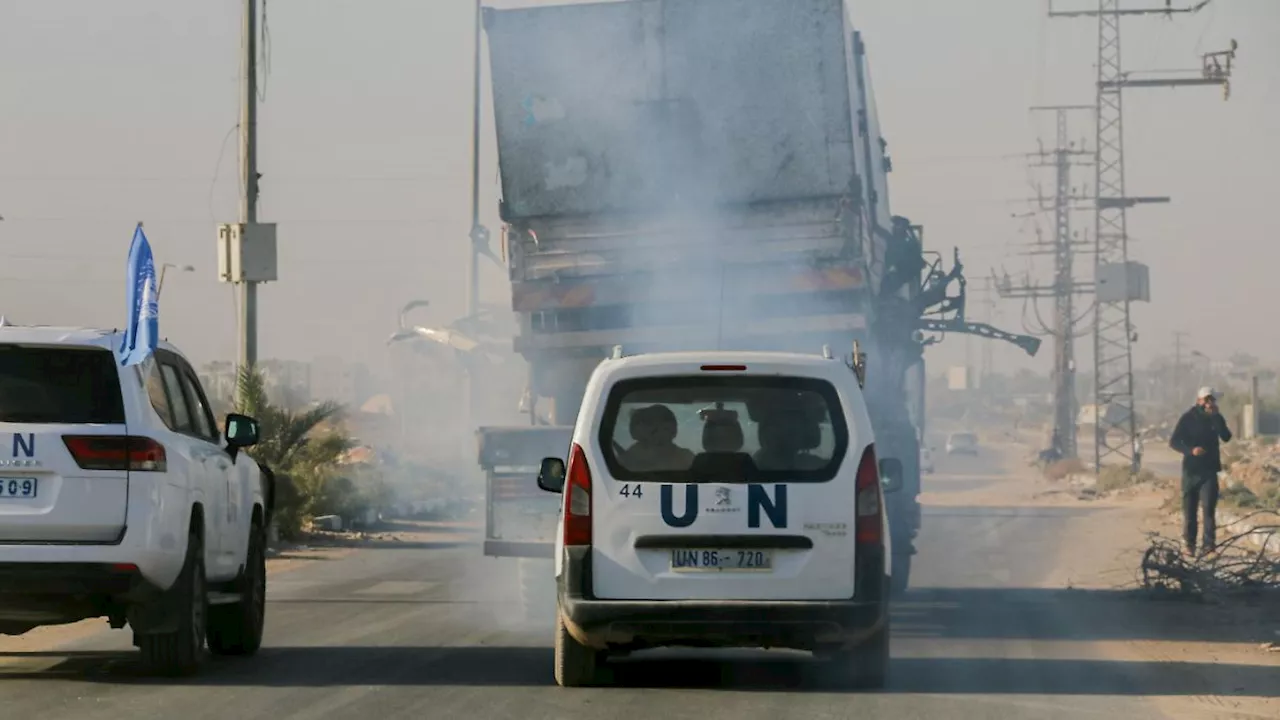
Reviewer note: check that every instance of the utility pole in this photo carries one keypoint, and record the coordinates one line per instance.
(1064, 287)
(247, 249)
(1118, 281)
(1177, 387)
(249, 179)
(479, 235)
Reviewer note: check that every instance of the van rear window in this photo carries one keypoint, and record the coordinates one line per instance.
(724, 429)
(59, 385)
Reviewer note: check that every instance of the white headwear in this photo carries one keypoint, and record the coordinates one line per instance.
(1205, 392)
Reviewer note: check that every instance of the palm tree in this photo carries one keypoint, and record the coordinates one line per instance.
(301, 448)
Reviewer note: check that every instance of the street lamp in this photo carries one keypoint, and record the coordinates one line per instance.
(166, 266)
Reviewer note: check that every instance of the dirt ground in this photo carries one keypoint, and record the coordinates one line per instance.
(1105, 552)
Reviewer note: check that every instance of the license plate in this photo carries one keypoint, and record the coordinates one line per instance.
(711, 561)
(24, 488)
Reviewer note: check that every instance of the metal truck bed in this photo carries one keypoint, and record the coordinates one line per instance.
(625, 106)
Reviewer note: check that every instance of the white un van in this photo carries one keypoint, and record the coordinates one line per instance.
(723, 500)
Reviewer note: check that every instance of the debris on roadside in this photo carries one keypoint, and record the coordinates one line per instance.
(1240, 565)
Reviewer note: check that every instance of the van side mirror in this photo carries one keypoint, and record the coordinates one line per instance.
(891, 474)
(551, 475)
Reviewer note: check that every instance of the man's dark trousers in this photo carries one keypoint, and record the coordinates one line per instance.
(1200, 490)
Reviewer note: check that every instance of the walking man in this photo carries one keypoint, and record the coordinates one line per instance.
(1196, 437)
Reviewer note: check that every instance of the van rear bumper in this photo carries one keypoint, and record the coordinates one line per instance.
(638, 624)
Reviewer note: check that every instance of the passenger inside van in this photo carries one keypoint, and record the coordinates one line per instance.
(722, 433)
(654, 429)
(785, 440)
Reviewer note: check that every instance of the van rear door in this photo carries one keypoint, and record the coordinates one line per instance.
(63, 475)
(725, 486)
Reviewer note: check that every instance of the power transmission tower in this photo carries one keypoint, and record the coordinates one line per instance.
(989, 306)
(1065, 287)
(1118, 281)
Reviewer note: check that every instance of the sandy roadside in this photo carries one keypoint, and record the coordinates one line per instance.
(1103, 551)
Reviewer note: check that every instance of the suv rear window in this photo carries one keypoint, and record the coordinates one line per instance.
(59, 385)
(723, 429)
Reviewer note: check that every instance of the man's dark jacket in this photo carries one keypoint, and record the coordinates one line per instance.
(1197, 428)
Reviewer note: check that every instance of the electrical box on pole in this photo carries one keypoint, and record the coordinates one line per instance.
(247, 252)
(1123, 282)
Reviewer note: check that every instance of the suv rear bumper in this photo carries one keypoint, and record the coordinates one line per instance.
(71, 579)
(38, 593)
(154, 541)
(801, 625)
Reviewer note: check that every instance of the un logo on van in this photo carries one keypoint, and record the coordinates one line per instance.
(758, 500)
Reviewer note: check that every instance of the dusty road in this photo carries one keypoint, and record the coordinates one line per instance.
(1011, 616)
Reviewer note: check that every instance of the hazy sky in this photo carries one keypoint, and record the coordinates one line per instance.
(120, 111)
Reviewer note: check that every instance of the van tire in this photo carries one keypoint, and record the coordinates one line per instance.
(236, 628)
(179, 653)
(868, 663)
(576, 665)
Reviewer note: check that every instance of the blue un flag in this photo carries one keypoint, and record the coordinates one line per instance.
(143, 328)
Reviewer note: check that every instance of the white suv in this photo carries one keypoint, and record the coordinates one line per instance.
(722, 500)
(120, 499)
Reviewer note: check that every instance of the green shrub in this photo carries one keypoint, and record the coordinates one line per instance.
(294, 444)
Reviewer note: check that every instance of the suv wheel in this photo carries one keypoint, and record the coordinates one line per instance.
(179, 652)
(576, 665)
(236, 628)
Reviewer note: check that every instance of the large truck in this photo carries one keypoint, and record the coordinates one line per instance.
(700, 174)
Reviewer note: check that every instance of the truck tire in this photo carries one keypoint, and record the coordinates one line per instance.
(901, 577)
(236, 628)
(179, 653)
(868, 663)
(576, 665)
(537, 591)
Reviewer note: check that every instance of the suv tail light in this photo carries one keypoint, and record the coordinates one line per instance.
(869, 500)
(116, 452)
(577, 499)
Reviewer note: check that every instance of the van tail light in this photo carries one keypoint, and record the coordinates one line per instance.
(116, 452)
(869, 530)
(577, 499)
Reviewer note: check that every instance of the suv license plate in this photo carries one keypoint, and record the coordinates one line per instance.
(725, 560)
(24, 488)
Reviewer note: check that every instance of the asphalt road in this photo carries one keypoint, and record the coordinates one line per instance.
(415, 632)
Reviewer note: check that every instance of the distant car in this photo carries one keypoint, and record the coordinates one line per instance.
(962, 443)
(926, 460)
(120, 497)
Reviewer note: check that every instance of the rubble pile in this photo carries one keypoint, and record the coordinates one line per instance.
(1253, 474)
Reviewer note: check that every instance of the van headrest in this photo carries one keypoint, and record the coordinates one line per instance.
(654, 424)
(719, 436)
(808, 435)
